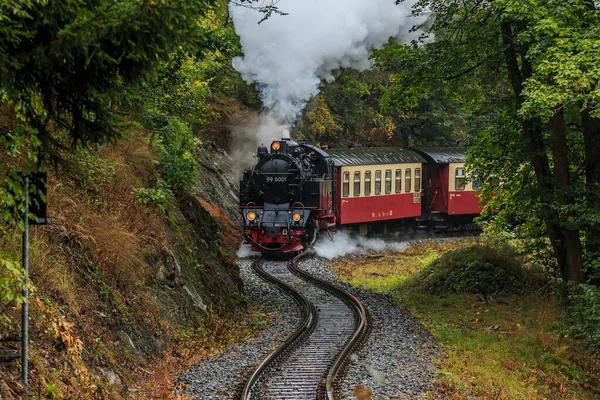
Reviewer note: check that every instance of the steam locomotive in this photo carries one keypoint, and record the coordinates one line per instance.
(297, 190)
(287, 198)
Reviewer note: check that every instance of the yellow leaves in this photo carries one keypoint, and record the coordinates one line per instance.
(198, 84)
(321, 122)
(62, 331)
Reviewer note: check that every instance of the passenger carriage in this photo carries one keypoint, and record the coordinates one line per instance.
(449, 196)
(377, 184)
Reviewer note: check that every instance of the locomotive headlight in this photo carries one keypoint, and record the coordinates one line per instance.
(251, 216)
(296, 217)
(275, 146)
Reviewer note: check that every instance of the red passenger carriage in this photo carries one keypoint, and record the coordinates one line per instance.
(449, 197)
(377, 184)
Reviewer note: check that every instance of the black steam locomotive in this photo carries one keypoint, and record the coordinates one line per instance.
(287, 197)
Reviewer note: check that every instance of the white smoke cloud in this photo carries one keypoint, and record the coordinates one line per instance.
(289, 55)
(344, 243)
(248, 133)
(245, 250)
(269, 129)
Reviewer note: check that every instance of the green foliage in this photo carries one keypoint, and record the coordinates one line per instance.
(485, 269)
(382, 107)
(65, 71)
(319, 124)
(65, 66)
(181, 90)
(564, 53)
(188, 82)
(90, 169)
(157, 198)
(51, 391)
(585, 314)
(510, 69)
(12, 281)
(176, 146)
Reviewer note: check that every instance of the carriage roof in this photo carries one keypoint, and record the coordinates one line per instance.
(373, 156)
(442, 155)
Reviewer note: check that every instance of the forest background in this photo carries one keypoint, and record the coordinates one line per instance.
(516, 82)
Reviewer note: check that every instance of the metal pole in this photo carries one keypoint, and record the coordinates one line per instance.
(25, 315)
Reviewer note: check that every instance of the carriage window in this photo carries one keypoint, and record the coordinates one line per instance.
(476, 183)
(346, 186)
(459, 179)
(388, 181)
(377, 182)
(407, 180)
(417, 179)
(356, 184)
(398, 180)
(367, 183)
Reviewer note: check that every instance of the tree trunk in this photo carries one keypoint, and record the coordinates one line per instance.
(533, 134)
(591, 138)
(573, 265)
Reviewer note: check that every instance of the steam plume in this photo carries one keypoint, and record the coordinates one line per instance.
(288, 56)
(344, 243)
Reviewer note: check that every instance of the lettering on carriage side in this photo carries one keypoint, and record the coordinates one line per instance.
(382, 214)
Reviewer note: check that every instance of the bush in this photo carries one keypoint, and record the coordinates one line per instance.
(157, 198)
(90, 170)
(175, 145)
(484, 269)
(585, 314)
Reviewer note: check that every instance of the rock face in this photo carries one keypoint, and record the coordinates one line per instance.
(200, 267)
(218, 180)
(198, 271)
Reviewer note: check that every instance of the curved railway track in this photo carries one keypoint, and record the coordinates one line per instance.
(306, 365)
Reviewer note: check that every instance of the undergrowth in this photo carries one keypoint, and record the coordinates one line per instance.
(584, 315)
(504, 331)
(487, 269)
(106, 269)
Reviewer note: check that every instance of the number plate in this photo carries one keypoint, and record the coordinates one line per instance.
(276, 179)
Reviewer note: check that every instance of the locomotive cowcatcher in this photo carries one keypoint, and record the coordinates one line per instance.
(288, 197)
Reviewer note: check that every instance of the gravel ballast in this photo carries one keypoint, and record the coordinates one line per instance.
(223, 375)
(397, 359)
(395, 362)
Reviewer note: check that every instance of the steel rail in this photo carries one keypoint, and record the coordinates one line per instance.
(362, 317)
(309, 318)
(308, 323)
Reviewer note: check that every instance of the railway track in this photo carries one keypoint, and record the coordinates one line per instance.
(306, 365)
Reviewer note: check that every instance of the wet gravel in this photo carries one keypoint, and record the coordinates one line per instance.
(223, 375)
(396, 362)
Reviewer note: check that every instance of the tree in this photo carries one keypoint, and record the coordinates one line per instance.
(65, 66)
(65, 71)
(531, 67)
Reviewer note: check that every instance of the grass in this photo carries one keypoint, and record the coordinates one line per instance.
(511, 348)
(382, 273)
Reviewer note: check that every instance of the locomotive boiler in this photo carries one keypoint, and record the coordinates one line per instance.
(288, 197)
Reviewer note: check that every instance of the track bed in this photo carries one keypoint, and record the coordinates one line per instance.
(305, 366)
